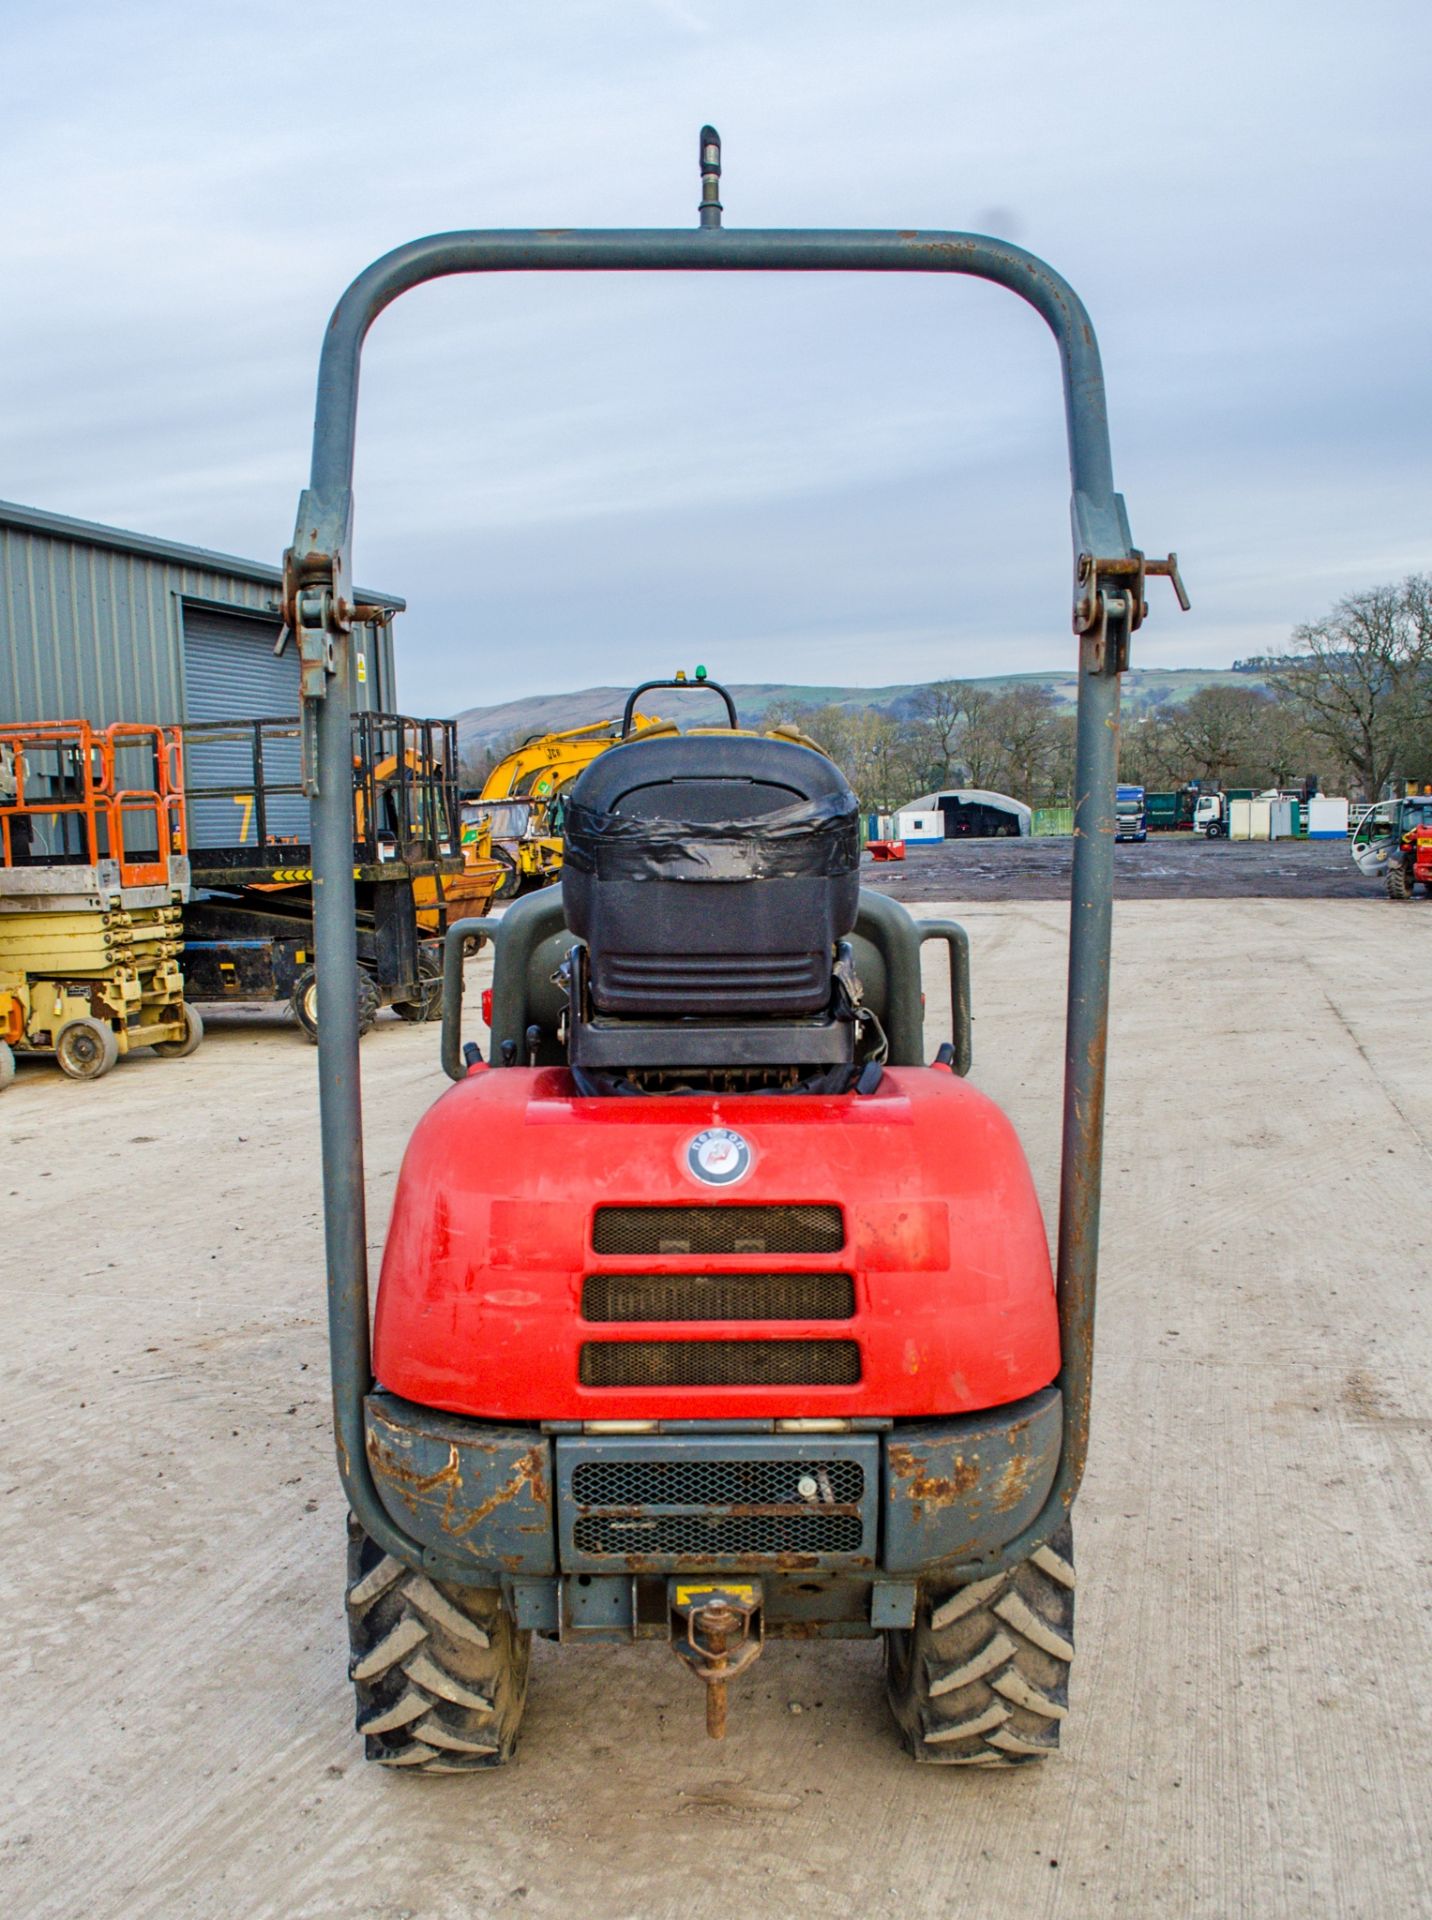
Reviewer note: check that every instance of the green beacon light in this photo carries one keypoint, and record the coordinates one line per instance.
(701, 673)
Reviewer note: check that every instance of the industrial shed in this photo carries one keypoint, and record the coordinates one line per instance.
(103, 625)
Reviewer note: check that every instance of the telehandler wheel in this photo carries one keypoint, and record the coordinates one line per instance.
(982, 1679)
(509, 880)
(304, 1001)
(86, 1048)
(7, 1063)
(429, 1003)
(440, 1671)
(193, 1034)
(1399, 887)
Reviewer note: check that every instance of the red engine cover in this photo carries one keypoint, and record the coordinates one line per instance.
(480, 1301)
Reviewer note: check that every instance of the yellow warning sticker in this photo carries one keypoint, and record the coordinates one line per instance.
(738, 1588)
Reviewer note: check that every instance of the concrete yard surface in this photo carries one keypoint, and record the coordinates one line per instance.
(1249, 1730)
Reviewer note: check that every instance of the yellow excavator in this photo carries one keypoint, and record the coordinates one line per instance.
(515, 820)
(512, 827)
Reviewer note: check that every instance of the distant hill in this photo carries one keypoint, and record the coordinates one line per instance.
(537, 713)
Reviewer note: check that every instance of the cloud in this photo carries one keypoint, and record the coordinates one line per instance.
(846, 480)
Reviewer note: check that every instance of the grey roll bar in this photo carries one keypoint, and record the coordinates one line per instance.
(1109, 577)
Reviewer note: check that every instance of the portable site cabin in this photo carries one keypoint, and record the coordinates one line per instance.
(1327, 817)
(962, 813)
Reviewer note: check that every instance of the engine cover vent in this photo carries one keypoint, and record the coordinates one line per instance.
(718, 1229)
(718, 1296)
(719, 1363)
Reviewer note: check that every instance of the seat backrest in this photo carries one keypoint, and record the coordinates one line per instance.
(711, 873)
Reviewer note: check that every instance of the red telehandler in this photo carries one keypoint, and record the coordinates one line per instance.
(712, 1310)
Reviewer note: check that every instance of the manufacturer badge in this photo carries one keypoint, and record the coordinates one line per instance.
(719, 1156)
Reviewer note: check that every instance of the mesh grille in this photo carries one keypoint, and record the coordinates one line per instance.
(720, 1363)
(718, 1296)
(716, 1536)
(718, 1229)
(802, 1485)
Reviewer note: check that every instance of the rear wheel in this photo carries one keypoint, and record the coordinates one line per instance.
(304, 1001)
(982, 1679)
(440, 1671)
(188, 1042)
(86, 1049)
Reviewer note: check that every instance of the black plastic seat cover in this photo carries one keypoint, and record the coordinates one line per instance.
(711, 874)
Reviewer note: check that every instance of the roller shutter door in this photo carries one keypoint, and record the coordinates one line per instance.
(232, 673)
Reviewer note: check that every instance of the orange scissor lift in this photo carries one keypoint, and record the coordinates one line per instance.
(93, 870)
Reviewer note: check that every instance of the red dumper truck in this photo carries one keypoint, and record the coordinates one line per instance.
(716, 1303)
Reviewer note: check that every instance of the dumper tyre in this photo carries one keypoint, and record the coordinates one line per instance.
(7, 1063)
(440, 1671)
(304, 1001)
(1399, 887)
(189, 1041)
(86, 1049)
(429, 1003)
(982, 1679)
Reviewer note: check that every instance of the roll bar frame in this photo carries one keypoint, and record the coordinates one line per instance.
(700, 684)
(1108, 606)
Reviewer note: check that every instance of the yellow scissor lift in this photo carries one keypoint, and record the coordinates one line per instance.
(93, 871)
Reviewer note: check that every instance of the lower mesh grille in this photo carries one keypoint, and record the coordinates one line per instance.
(722, 1499)
(718, 1535)
(718, 1229)
(720, 1363)
(802, 1485)
(718, 1296)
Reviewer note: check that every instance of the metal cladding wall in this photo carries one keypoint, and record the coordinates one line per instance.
(92, 620)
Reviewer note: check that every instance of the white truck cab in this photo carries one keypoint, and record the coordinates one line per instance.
(1210, 815)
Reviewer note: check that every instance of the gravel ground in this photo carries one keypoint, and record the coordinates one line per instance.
(1166, 866)
(1249, 1732)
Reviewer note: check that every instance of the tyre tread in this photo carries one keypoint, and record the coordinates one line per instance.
(440, 1672)
(982, 1679)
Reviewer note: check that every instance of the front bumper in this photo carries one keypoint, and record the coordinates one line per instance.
(516, 1504)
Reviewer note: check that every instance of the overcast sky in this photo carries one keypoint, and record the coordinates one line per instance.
(819, 480)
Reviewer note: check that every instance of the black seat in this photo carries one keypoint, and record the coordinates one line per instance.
(711, 875)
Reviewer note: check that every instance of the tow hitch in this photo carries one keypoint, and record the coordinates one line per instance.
(718, 1633)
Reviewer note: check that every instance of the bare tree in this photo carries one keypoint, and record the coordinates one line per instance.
(1361, 679)
(939, 714)
(1280, 750)
(1149, 756)
(1210, 731)
(980, 748)
(1028, 730)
